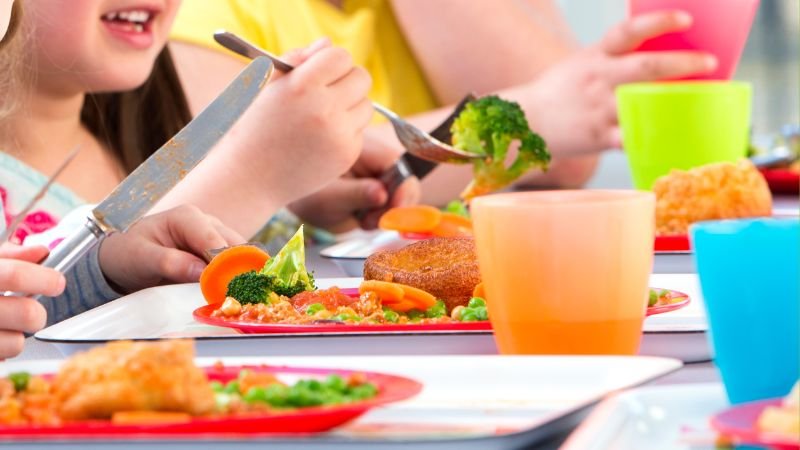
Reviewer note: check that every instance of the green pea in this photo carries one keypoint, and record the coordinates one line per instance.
(414, 314)
(653, 298)
(437, 310)
(468, 315)
(20, 380)
(390, 316)
(476, 302)
(232, 387)
(216, 386)
(363, 391)
(336, 383)
(255, 394)
(276, 395)
(314, 308)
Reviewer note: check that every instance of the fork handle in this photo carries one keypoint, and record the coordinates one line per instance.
(391, 179)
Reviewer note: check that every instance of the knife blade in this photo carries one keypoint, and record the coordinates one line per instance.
(146, 185)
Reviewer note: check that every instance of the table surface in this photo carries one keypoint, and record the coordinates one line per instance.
(324, 268)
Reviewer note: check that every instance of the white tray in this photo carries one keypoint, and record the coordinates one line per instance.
(481, 402)
(165, 312)
(655, 418)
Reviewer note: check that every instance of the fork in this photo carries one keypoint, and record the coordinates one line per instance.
(416, 141)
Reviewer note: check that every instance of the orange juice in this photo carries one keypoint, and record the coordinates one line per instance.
(566, 271)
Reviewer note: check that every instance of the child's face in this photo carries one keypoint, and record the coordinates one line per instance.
(5, 16)
(98, 45)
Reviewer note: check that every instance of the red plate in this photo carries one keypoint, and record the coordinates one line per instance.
(782, 181)
(203, 315)
(667, 244)
(739, 424)
(663, 244)
(304, 420)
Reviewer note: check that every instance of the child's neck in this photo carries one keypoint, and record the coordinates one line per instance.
(42, 132)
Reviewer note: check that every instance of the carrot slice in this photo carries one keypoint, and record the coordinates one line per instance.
(226, 265)
(478, 291)
(148, 417)
(399, 297)
(453, 225)
(415, 219)
(387, 291)
(402, 306)
(421, 299)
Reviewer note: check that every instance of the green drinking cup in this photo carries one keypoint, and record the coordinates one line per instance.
(681, 125)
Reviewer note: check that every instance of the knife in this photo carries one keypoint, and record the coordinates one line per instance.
(146, 185)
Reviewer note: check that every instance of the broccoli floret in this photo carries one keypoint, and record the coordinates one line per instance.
(251, 287)
(285, 274)
(487, 126)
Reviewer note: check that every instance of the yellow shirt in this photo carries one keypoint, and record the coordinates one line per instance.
(365, 28)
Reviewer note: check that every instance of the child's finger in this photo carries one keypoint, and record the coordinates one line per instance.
(26, 253)
(11, 343)
(30, 278)
(324, 67)
(352, 89)
(21, 314)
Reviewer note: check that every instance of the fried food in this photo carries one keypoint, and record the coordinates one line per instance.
(444, 267)
(714, 191)
(133, 376)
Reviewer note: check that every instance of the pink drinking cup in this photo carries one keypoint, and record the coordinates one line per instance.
(719, 27)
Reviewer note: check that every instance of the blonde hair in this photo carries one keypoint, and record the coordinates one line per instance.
(11, 51)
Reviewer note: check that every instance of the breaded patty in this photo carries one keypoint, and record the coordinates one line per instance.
(133, 376)
(713, 191)
(444, 267)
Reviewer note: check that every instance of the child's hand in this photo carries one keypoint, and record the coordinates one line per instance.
(305, 129)
(163, 248)
(19, 272)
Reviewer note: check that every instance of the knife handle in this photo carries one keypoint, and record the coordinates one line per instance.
(70, 250)
(391, 179)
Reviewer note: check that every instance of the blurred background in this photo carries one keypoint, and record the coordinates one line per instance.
(771, 62)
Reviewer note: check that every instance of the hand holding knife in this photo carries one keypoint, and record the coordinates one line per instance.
(163, 169)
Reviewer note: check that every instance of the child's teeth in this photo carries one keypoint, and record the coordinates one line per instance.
(111, 16)
(138, 27)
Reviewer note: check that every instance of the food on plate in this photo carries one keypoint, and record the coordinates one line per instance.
(225, 266)
(376, 303)
(283, 275)
(283, 292)
(426, 220)
(158, 382)
(129, 376)
(785, 418)
(714, 191)
(488, 126)
(444, 267)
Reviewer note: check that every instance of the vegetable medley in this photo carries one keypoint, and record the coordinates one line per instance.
(158, 382)
(283, 292)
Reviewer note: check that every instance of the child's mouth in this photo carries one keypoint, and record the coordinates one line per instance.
(133, 25)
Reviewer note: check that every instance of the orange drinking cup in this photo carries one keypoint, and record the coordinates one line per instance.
(566, 272)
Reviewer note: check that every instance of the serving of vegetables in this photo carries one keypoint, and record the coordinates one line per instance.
(257, 391)
(282, 291)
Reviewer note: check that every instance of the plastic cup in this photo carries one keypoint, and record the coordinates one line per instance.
(719, 27)
(682, 125)
(566, 272)
(749, 278)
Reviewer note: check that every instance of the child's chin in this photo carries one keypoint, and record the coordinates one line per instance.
(121, 82)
